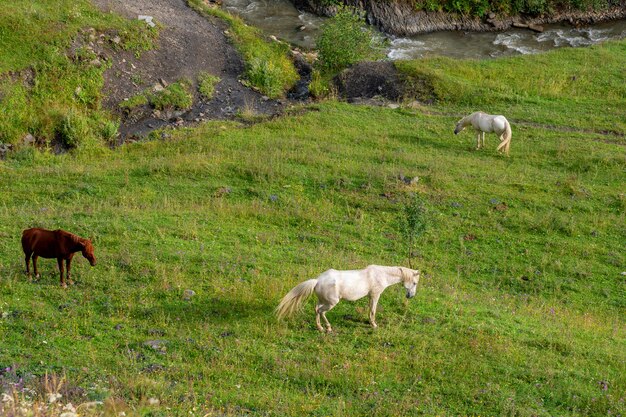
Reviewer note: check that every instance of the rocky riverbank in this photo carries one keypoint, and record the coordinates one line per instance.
(400, 18)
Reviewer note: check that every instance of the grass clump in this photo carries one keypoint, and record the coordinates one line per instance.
(206, 84)
(73, 128)
(135, 101)
(268, 66)
(176, 96)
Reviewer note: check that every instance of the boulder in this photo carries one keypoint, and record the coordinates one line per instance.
(369, 79)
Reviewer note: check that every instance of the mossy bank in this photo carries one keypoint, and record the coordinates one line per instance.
(403, 17)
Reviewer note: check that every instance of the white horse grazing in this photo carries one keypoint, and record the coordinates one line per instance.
(482, 123)
(332, 285)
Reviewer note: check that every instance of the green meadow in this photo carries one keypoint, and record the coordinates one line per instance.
(520, 309)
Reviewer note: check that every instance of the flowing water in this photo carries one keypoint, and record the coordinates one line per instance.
(280, 18)
(511, 42)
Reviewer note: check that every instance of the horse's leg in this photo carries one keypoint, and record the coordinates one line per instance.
(483, 145)
(329, 329)
(323, 308)
(478, 140)
(373, 303)
(68, 264)
(27, 259)
(317, 318)
(60, 262)
(35, 266)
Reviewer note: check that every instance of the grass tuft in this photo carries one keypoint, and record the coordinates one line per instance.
(206, 84)
(177, 96)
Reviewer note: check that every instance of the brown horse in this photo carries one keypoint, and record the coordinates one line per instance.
(55, 244)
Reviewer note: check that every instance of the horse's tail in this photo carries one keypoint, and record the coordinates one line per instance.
(294, 298)
(505, 144)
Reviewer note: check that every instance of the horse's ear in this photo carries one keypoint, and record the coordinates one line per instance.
(402, 274)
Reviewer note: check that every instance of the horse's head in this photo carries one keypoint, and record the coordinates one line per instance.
(87, 252)
(410, 278)
(459, 126)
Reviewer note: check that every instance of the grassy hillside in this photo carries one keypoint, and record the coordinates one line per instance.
(567, 87)
(47, 87)
(520, 310)
(51, 89)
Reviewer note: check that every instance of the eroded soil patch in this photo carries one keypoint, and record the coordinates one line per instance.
(188, 45)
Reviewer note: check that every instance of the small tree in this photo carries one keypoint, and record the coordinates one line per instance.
(415, 223)
(344, 40)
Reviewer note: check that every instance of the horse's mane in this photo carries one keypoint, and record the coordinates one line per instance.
(403, 274)
(74, 238)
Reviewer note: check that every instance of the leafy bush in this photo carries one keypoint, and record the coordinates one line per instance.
(345, 40)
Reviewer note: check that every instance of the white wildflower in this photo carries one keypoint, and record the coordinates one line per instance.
(69, 407)
(52, 397)
(154, 401)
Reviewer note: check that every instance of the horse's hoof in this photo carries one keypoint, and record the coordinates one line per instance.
(70, 282)
(64, 285)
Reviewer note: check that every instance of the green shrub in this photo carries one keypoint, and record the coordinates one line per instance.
(207, 83)
(344, 40)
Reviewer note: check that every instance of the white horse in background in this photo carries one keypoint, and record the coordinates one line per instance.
(332, 285)
(482, 123)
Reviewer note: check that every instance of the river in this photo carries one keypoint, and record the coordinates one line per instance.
(282, 19)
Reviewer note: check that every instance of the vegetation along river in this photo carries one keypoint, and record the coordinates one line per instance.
(282, 19)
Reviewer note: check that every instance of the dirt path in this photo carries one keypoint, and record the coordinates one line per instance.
(188, 44)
